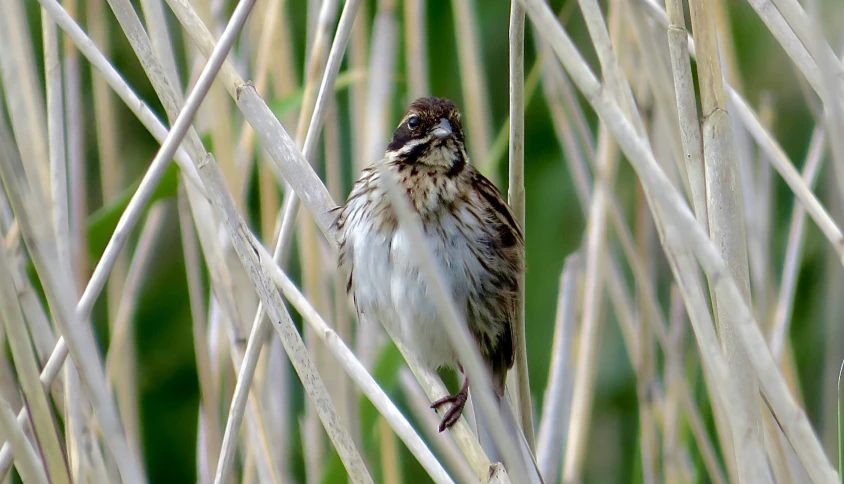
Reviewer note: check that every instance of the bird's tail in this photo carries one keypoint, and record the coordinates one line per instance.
(508, 419)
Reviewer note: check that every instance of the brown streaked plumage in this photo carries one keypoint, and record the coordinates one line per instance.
(475, 238)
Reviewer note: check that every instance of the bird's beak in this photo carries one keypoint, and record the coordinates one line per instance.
(443, 130)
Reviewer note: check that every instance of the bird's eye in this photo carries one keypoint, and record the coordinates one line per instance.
(413, 122)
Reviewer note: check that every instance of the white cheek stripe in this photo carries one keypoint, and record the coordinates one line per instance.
(410, 145)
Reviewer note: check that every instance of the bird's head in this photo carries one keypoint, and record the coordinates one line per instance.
(430, 133)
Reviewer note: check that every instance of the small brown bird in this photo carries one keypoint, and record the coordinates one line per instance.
(475, 238)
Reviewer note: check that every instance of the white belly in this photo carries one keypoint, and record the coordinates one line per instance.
(390, 289)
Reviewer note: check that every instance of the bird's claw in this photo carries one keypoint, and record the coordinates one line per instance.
(458, 402)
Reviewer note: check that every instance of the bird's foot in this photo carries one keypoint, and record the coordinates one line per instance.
(457, 401)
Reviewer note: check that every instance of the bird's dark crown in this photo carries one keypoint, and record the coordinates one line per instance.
(422, 117)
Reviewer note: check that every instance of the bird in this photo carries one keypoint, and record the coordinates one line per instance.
(475, 238)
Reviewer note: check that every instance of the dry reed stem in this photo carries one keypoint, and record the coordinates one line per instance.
(207, 447)
(359, 60)
(217, 114)
(618, 291)
(211, 178)
(56, 134)
(40, 328)
(590, 323)
(311, 137)
(26, 107)
(28, 463)
(222, 280)
(779, 160)
(449, 453)
(611, 72)
(247, 363)
(726, 225)
(311, 264)
(416, 48)
(652, 85)
(646, 382)
(267, 188)
(223, 271)
(170, 97)
(632, 259)
(74, 428)
(271, 386)
(245, 369)
(111, 182)
(57, 184)
(246, 249)
(793, 251)
(258, 458)
(135, 104)
(230, 324)
(502, 139)
(767, 141)
(381, 75)
(29, 206)
(605, 168)
(796, 426)
(220, 273)
(724, 203)
(475, 92)
(44, 431)
(556, 404)
(346, 393)
(774, 152)
(757, 183)
(648, 296)
(390, 465)
(810, 33)
(673, 372)
(777, 157)
(124, 314)
(690, 134)
(162, 44)
(75, 153)
(657, 88)
(137, 197)
(516, 199)
(786, 37)
(134, 209)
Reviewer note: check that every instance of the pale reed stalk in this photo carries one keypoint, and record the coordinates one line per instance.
(516, 200)
(44, 430)
(556, 405)
(209, 437)
(604, 180)
(472, 79)
(621, 300)
(670, 204)
(727, 228)
(111, 183)
(28, 463)
(773, 151)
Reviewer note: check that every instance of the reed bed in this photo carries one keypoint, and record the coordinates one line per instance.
(169, 293)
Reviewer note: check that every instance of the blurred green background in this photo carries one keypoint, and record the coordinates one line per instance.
(167, 378)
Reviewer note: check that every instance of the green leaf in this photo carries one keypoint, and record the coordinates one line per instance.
(101, 224)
